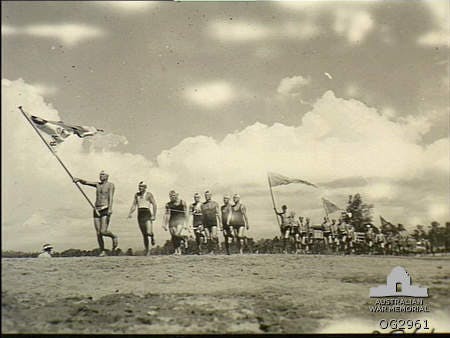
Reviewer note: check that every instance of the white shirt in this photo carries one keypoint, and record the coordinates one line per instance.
(44, 254)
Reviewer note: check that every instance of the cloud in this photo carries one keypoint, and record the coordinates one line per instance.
(69, 34)
(293, 85)
(238, 31)
(212, 94)
(439, 35)
(354, 25)
(128, 6)
(244, 31)
(44, 89)
(8, 30)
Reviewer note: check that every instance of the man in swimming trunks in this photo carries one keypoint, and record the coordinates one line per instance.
(211, 221)
(103, 206)
(195, 209)
(226, 213)
(175, 220)
(284, 226)
(142, 200)
(239, 221)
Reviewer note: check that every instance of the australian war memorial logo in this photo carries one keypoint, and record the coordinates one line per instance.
(398, 294)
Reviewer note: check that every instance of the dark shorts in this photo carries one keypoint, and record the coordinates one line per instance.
(101, 213)
(144, 215)
(210, 225)
(227, 230)
(238, 226)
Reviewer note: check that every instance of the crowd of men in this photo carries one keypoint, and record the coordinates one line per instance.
(299, 235)
(204, 219)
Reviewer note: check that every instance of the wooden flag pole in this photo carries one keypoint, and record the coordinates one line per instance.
(273, 200)
(59, 160)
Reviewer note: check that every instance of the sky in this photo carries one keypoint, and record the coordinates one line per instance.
(351, 96)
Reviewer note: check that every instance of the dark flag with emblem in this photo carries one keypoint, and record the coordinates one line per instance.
(386, 226)
(58, 131)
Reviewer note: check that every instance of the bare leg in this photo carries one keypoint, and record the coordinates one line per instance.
(101, 243)
(240, 236)
(147, 231)
(214, 239)
(105, 232)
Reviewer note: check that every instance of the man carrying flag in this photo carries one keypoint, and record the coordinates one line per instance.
(103, 209)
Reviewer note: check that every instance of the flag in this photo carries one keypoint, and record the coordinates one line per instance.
(58, 131)
(385, 225)
(278, 179)
(329, 207)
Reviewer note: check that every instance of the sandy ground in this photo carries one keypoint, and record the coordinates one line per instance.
(210, 294)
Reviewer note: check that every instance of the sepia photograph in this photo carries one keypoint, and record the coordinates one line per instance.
(225, 167)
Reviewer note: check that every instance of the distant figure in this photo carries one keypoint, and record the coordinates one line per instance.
(103, 205)
(195, 209)
(226, 213)
(142, 200)
(175, 219)
(46, 251)
(211, 221)
(285, 225)
(239, 221)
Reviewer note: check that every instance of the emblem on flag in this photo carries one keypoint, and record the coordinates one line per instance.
(58, 131)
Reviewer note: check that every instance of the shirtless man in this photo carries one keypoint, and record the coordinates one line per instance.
(211, 221)
(239, 221)
(226, 213)
(284, 226)
(103, 206)
(195, 210)
(175, 220)
(142, 200)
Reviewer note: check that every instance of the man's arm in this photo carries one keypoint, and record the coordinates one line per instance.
(110, 199)
(244, 214)
(154, 207)
(219, 217)
(133, 207)
(84, 182)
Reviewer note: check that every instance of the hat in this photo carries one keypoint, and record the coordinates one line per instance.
(197, 194)
(236, 195)
(104, 173)
(172, 193)
(47, 247)
(226, 196)
(142, 184)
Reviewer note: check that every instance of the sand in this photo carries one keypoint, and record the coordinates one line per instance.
(209, 294)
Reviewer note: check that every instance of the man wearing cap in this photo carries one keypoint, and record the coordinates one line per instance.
(175, 219)
(211, 220)
(142, 200)
(239, 221)
(103, 206)
(195, 209)
(46, 251)
(226, 213)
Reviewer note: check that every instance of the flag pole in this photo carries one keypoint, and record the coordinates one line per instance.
(324, 208)
(59, 160)
(273, 199)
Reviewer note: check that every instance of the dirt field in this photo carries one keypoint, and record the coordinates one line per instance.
(210, 294)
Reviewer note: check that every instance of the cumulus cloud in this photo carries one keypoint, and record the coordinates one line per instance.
(337, 140)
(354, 25)
(44, 89)
(439, 35)
(293, 85)
(70, 34)
(212, 94)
